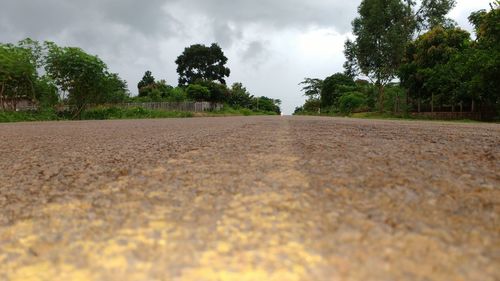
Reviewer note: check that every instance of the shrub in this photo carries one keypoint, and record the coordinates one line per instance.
(198, 93)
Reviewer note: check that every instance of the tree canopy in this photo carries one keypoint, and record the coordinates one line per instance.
(199, 62)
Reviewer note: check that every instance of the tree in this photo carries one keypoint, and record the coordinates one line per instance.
(199, 62)
(267, 104)
(240, 97)
(432, 13)
(382, 31)
(17, 75)
(333, 87)
(198, 93)
(79, 74)
(114, 89)
(147, 82)
(428, 72)
(483, 60)
(312, 87)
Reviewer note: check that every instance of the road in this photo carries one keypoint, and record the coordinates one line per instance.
(249, 198)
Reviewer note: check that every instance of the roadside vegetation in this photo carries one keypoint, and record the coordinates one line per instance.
(44, 81)
(408, 58)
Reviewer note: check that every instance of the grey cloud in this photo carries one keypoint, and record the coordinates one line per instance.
(255, 52)
(278, 13)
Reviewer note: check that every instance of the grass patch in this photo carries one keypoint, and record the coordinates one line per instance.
(28, 116)
(387, 116)
(113, 113)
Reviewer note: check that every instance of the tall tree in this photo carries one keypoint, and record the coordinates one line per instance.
(312, 87)
(17, 75)
(428, 72)
(483, 62)
(146, 81)
(76, 72)
(199, 62)
(382, 32)
(432, 13)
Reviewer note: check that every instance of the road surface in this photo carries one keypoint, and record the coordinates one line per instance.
(249, 198)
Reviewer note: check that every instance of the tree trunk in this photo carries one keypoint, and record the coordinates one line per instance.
(1, 97)
(461, 107)
(418, 102)
(407, 101)
(432, 103)
(473, 105)
(381, 97)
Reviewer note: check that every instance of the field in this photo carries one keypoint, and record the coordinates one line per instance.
(249, 198)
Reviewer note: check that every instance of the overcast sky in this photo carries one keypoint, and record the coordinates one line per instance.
(271, 44)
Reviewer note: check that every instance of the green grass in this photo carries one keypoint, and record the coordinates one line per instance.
(43, 115)
(111, 113)
(388, 116)
(114, 113)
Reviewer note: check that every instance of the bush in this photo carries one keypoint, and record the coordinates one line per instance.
(351, 102)
(23, 116)
(198, 93)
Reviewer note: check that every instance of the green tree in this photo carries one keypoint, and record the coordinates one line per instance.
(198, 92)
(147, 84)
(114, 89)
(427, 71)
(333, 87)
(432, 13)
(240, 97)
(46, 92)
(79, 74)
(382, 31)
(17, 76)
(483, 61)
(267, 104)
(311, 87)
(199, 62)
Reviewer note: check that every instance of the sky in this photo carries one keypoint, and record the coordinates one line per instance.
(271, 45)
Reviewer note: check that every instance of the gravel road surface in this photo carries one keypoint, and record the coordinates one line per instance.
(249, 198)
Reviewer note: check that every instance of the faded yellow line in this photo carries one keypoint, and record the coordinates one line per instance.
(260, 236)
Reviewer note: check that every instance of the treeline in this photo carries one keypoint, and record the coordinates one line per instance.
(48, 75)
(408, 58)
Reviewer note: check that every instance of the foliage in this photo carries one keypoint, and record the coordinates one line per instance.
(17, 75)
(381, 32)
(26, 116)
(46, 92)
(427, 72)
(351, 102)
(267, 104)
(240, 97)
(482, 63)
(333, 87)
(217, 92)
(105, 113)
(198, 93)
(312, 87)
(146, 82)
(199, 62)
(432, 13)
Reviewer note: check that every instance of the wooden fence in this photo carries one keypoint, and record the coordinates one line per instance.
(165, 106)
(450, 115)
(175, 106)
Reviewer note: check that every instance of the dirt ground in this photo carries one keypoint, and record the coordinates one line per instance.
(249, 198)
